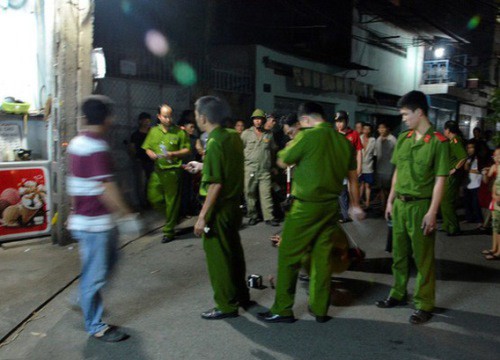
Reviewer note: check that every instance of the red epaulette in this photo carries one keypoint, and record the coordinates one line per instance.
(440, 136)
(410, 133)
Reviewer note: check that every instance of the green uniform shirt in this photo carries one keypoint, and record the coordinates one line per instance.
(223, 164)
(174, 139)
(457, 151)
(258, 152)
(323, 158)
(419, 162)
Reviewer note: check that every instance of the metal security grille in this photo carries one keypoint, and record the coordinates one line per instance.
(132, 97)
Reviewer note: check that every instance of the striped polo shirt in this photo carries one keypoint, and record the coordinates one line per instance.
(89, 167)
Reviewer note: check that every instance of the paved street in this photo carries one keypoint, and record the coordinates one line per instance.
(159, 290)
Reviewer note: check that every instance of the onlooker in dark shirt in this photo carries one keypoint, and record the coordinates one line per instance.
(138, 153)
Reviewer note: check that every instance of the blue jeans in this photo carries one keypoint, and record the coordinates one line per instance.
(98, 255)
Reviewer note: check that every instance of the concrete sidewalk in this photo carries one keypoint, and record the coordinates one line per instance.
(159, 290)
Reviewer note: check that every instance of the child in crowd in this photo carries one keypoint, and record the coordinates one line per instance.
(494, 252)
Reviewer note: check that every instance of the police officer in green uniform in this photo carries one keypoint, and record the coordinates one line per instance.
(166, 144)
(259, 150)
(220, 217)
(421, 158)
(322, 158)
(458, 156)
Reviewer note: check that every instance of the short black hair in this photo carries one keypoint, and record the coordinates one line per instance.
(143, 116)
(310, 108)
(290, 119)
(97, 108)
(213, 108)
(341, 115)
(384, 124)
(414, 100)
(367, 124)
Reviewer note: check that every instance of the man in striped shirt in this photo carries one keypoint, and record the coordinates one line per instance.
(96, 200)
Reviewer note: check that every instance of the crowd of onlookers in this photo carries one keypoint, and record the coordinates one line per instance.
(264, 134)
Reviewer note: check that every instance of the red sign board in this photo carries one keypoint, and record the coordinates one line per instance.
(24, 202)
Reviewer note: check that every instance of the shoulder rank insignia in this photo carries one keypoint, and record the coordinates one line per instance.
(410, 133)
(440, 136)
(427, 138)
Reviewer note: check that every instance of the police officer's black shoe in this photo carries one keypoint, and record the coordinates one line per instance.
(420, 317)
(253, 221)
(167, 239)
(390, 302)
(274, 318)
(216, 314)
(319, 318)
(272, 222)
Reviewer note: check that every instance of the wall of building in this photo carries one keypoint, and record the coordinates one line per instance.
(280, 87)
(26, 38)
(394, 74)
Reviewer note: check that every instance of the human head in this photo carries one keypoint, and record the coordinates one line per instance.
(258, 118)
(210, 110)
(187, 116)
(477, 133)
(341, 120)
(189, 127)
(98, 110)
(367, 129)
(451, 129)
(310, 113)
(358, 126)
(496, 155)
(291, 125)
(165, 115)
(413, 107)
(270, 121)
(239, 126)
(383, 129)
(471, 148)
(144, 119)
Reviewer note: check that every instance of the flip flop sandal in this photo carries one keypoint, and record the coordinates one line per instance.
(487, 252)
(492, 257)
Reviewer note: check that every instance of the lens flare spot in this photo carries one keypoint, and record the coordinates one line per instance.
(126, 6)
(157, 43)
(184, 73)
(474, 22)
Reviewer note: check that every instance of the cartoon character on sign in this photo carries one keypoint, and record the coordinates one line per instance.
(23, 206)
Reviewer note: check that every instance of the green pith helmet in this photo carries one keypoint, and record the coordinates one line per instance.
(258, 113)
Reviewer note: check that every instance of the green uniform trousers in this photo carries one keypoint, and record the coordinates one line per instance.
(408, 239)
(449, 205)
(225, 257)
(164, 194)
(258, 186)
(309, 227)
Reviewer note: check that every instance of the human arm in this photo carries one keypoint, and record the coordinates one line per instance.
(359, 161)
(392, 196)
(458, 166)
(213, 192)
(429, 220)
(113, 199)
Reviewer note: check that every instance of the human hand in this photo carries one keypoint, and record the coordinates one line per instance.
(429, 223)
(200, 226)
(388, 211)
(275, 240)
(193, 167)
